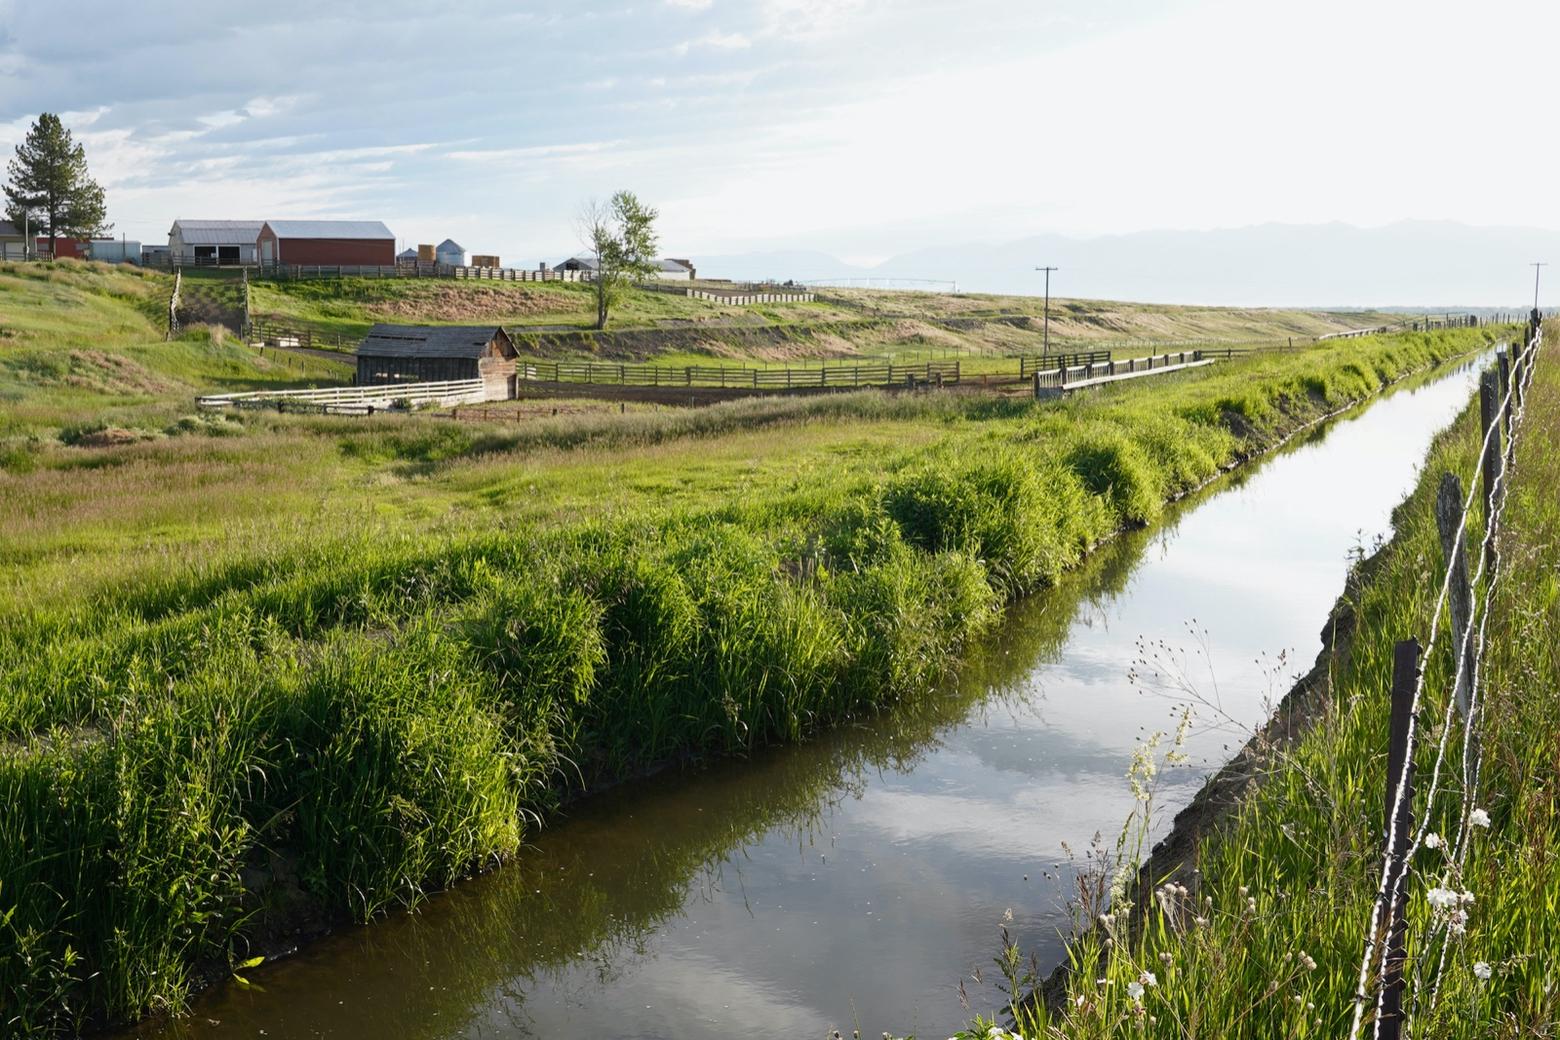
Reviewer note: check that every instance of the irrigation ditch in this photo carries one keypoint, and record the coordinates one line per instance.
(1393, 986)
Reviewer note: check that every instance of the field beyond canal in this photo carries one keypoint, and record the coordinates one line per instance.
(293, 671)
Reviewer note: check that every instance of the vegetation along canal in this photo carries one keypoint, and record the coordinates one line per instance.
(852, 882)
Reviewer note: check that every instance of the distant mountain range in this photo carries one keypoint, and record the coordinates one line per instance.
(1432, 265)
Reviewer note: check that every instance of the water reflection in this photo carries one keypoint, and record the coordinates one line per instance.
(853, 881)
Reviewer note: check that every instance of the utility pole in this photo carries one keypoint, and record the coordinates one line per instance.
(1536, 268)
(1046, 349)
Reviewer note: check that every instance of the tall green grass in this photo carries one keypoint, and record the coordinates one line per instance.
(390, 710)
(1265, 938)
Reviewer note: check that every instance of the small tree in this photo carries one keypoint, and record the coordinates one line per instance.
(621, 234)
(49, 185)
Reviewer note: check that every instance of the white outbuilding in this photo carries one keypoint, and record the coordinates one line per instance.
(214, 241)
(450, 252)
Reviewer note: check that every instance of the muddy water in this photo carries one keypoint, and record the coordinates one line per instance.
(853, 882)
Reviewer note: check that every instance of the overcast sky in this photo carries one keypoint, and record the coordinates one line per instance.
(859, 127)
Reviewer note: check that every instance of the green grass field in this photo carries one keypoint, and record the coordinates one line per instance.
(388, 649)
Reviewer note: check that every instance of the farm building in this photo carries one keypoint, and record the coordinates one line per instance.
(13, 244)
(214, 241)
(432, 353)
(62, 249)
(363, 243)
(115, 250)
(450, 252)
(406, 256)
(673, 270)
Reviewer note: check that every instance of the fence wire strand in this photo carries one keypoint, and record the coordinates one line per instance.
(1386, 891)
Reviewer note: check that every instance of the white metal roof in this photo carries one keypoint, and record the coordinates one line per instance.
(369, 229)
(449, 245)
(217, 232)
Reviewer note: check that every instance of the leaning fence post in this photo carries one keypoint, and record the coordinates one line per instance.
(1448, 512)
(1508, 412)
(1400, 770)
(1489, 422)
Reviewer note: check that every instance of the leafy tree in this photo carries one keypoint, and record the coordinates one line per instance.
(621, 234)
(49, 185)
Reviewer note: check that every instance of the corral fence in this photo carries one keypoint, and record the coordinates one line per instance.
(269, 331)
(732, 293)
(399, 269)
(354, 400)
(931, 373)
(1384, 965)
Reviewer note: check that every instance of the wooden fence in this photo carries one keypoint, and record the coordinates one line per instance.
(354, 400)
(1063, 376)
(1029, 364)
(933, 373)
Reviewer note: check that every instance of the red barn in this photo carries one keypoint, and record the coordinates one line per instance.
(331, 242)
(64, 248)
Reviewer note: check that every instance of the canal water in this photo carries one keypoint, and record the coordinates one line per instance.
(855, 881)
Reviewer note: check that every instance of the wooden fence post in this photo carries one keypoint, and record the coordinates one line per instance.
(1405, 673)
(1448, 510)
(1489, 423)
(1508, 413)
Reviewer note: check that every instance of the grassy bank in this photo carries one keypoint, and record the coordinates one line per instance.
(205, 729)
(555, 319)
(1267, 935)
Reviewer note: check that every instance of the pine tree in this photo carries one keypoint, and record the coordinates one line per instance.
(49, 184)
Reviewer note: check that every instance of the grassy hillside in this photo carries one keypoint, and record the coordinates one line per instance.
(82, 345)
(839, 324)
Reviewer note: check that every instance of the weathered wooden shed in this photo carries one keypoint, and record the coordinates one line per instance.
(434, 353)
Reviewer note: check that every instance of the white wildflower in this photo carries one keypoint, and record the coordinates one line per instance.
(1481, 969)
(1148, 979)
(1479, 818)
(1441, 898)
(1433, 840)
(1135, 991)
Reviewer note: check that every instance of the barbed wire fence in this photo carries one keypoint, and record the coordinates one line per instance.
(1503, 395)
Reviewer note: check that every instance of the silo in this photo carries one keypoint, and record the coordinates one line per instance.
(451, 252)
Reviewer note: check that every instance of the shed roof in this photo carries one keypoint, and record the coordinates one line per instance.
(443, 341)
(217, 232)
(365, 229)
(674, 265)
(449, 245)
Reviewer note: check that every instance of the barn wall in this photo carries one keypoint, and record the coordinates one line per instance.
(498, 376)
(337, 251)
(379, 371)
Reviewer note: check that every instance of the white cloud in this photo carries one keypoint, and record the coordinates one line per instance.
(718, 41)
(690, 5)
